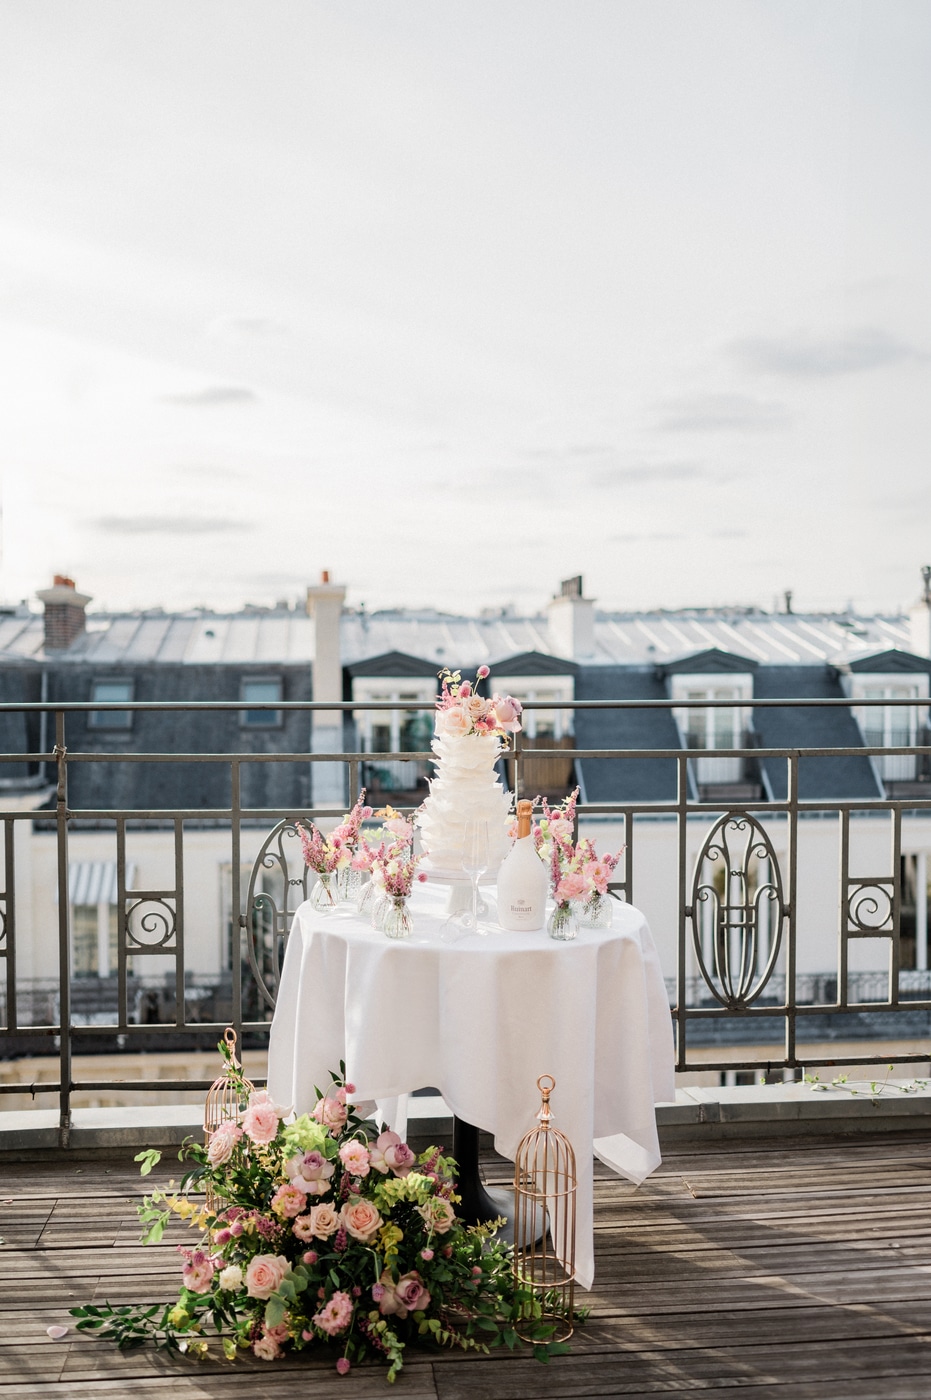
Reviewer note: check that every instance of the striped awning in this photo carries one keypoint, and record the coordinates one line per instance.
(94, 881)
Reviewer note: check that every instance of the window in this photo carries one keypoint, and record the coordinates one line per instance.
(717, 727)
(261, 690)
(542, 726)
(93, 940)
(111, 692)
(891, 726)
(394, 731)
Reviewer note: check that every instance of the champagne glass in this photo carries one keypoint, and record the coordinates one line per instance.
(475, 863)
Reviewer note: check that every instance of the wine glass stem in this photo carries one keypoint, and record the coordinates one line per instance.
(475, 899)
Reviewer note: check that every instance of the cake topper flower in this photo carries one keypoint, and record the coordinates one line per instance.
(461, 710)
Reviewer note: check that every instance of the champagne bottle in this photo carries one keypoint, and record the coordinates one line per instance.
(523, 879)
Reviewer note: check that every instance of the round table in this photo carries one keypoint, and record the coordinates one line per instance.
(481, 1018)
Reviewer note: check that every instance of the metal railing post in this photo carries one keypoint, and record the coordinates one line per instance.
(64, 935)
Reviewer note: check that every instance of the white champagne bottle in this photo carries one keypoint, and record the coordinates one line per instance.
(523, 880)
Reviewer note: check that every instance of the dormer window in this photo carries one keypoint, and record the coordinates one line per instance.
(717, 726)
(894, 725)
(111, 692)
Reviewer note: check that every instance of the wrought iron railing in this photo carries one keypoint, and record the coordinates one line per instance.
(737, 900)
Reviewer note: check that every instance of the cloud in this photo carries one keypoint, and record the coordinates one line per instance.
(645, 471)
(246, 328)
(166, 525)
(808, 357)
(712, 413)
(214, 396)
(644, 537)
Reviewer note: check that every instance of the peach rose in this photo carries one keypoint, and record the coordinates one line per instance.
(437, 1214)
(323, 1222)
(222, 1143)
(454, 722)
(265, 1273)
(360, 1219)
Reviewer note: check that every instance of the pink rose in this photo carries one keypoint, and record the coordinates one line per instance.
(332, 1112)
(343, 1366)
(310, 1172)
(391, 1154)
(260, 1122)
(288, 1200)
(411, 1293)
(277, 1334)
(355, 1158)
(360, 1219)
(507, 710)
(266, 1349)
(407, 1295)
(264, 1274)
(482, 673)
(222, 1142)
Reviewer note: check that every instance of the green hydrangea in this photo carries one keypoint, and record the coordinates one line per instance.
(305, 1134)
(414, 1187)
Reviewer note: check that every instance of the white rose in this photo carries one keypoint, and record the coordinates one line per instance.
(231, 1278)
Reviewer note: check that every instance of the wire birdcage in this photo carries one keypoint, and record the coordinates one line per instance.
(227, 1101)
(544, 1218)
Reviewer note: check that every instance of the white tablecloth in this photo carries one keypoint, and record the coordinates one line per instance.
(481, 1019)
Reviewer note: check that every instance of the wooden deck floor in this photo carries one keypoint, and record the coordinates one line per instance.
(769, 1269)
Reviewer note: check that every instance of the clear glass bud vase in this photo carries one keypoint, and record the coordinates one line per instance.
(398, 922)
(349, 882)
(563, 923)
(324, 893)
(596, 912)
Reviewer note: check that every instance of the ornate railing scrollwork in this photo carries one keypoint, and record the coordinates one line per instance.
(870, 906)
(736, 889)
(265, 923)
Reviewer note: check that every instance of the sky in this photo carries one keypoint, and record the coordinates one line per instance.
(458, 298)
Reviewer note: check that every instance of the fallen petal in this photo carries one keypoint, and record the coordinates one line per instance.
(56, 1333)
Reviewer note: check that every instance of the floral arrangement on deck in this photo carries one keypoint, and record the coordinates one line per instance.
(460, 710)
(323, 1234)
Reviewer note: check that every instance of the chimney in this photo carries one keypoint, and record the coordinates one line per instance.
(571, 621)
(325, 605)
(920, 617)
(64, 613)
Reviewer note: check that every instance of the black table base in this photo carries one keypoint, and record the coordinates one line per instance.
(479, 1202)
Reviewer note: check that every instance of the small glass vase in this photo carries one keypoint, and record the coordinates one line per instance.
(348, 884)
(365, 896)
(397, 922)
(596, 912)
(379, 905)
(324, 894)
(563, 923)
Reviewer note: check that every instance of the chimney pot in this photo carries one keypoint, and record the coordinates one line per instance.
(324, 576)
(64, 612)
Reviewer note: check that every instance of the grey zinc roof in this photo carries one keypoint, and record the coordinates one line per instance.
(804, 727)
(625, 780)
(193, 638)
(627, 639)
(282, 636)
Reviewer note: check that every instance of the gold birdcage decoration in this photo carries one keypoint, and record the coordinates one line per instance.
(227, 1101)
(545, 1185)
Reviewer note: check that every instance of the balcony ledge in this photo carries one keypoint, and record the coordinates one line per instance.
(765, 1110)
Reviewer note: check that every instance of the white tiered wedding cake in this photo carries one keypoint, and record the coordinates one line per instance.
(466, 791)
